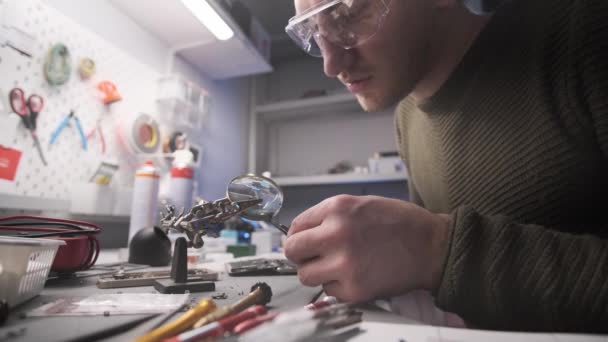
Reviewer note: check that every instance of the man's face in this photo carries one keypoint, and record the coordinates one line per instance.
(386, 67)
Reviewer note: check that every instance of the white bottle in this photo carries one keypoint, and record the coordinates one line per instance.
(144, 206)
(181, 182)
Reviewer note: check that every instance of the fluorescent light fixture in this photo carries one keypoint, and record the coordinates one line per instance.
(210, 18)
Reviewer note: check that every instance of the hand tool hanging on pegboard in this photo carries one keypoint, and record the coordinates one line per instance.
(58, 65)
(97, 131)
(28, 110)
(64, 123)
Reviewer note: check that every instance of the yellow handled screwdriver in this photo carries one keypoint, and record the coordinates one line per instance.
(181, 324)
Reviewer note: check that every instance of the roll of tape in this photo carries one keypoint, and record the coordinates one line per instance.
(58, 65)
(86, 68)
(144, 134)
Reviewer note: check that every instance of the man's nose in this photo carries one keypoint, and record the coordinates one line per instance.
(336, 59)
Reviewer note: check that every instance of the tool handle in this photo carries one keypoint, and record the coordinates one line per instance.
(103, 140)
(252, 323)
(179, 325)
(58, 130)
(83, 137)
(230, 322)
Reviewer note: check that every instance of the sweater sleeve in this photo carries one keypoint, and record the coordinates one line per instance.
(507, 276)
(591, 46)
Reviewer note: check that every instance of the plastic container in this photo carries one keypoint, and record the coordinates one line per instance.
(181, 183)
(24, 266)
(144, 206)
(184, 103)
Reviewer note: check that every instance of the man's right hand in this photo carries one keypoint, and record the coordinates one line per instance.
(361, 248)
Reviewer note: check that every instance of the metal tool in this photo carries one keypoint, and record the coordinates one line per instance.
(253, 197)
(64, 123)
(99, 132)
(28, 111)
(205, 218)
(258, 187)
(17, 39)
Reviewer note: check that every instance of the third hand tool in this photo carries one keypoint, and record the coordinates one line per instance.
(64, 123)
(28, 110)
(259, 187)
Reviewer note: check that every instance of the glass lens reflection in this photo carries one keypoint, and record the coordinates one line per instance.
(256, 187)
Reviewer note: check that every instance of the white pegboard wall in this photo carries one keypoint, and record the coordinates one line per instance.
(68, 163)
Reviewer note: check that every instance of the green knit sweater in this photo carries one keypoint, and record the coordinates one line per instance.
(515, 146)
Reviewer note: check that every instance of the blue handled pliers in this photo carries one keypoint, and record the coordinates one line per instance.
(65, 122)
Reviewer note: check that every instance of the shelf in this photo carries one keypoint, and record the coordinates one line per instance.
(187, 37)
(352, 178)
(338, 103)
(19, 202)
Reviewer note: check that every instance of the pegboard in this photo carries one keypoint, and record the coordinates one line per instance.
(68, 163)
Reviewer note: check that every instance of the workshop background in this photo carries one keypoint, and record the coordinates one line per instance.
(252, 103)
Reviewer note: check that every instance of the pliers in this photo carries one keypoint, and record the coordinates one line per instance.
(63, 124)
(97, 129)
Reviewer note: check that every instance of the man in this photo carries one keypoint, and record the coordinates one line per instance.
(503, 124)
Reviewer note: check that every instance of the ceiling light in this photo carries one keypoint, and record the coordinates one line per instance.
(210, 18)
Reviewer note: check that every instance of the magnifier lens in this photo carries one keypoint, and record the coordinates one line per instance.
(256, 187)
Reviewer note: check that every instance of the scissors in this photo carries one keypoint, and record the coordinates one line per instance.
(28, 111)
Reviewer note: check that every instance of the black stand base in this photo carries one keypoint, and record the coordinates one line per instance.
(178, 283)
(169, 286)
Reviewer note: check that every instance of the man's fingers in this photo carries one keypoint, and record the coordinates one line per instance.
(314, 216)
(334, 289)
(310, 218)
(320, 270)
(306, 245)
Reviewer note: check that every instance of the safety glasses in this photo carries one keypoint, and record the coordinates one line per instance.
(344, 23)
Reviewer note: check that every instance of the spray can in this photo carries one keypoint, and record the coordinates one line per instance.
(144, 205)
(181, 184)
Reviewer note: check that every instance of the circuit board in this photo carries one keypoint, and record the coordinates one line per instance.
(261, 266)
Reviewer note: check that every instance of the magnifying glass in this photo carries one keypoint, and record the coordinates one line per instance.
(252, 187)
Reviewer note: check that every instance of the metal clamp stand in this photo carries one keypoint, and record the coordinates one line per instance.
(178, 283)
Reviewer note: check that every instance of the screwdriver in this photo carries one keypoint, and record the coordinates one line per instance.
(182, 323)
(260, 293)
(220, 327)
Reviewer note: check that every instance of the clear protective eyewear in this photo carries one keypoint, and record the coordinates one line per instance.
(344, 23)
